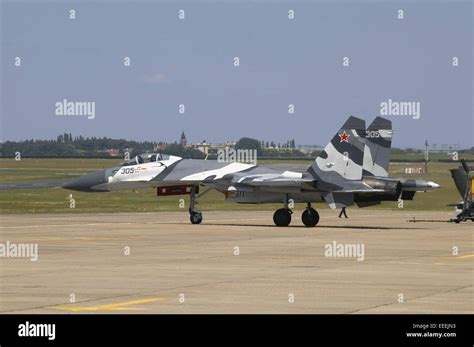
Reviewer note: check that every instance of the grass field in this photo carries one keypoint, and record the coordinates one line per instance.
(57, 200)
(434, 156)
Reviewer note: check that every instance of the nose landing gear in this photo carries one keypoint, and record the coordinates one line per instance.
(194, 216)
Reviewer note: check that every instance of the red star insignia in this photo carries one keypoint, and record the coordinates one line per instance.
(344, 137)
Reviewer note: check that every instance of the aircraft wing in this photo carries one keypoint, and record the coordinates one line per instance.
(264, 178)
(290, 180)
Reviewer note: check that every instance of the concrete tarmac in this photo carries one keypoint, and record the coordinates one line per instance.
(238, 262)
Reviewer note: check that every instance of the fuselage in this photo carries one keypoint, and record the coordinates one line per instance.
(156, 170)
(172, 171)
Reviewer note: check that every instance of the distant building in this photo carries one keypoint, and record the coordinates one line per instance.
(203, 147)
(183, 142)
(309, 148)
(158, 147)
(113, 152)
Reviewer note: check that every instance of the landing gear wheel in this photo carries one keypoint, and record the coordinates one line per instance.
(310, 217)
(282, 217)
(196, 217)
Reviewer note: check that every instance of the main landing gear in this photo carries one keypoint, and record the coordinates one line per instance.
(310, 216)
(282, 216)
(194, 216)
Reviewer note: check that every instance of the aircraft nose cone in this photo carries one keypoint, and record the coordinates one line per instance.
(433, 184)
(88, 182)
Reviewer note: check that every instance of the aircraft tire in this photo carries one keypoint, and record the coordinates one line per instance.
(310, 217)
(196, 217)
(282, 217)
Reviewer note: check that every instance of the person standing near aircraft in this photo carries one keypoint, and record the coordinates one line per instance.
(343, 212)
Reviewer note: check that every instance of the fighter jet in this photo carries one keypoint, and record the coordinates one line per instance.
(352, 168)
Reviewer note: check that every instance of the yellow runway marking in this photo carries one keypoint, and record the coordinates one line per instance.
(458, 256)
(110, 307)
(465, 256)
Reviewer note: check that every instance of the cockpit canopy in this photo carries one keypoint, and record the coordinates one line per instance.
(146, 158)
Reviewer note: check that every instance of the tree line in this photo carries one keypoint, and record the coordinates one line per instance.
(67, 145)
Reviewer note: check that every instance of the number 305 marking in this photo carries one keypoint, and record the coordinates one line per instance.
(372, 134)
(127, 170)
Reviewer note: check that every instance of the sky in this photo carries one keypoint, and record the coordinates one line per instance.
(190, 61)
